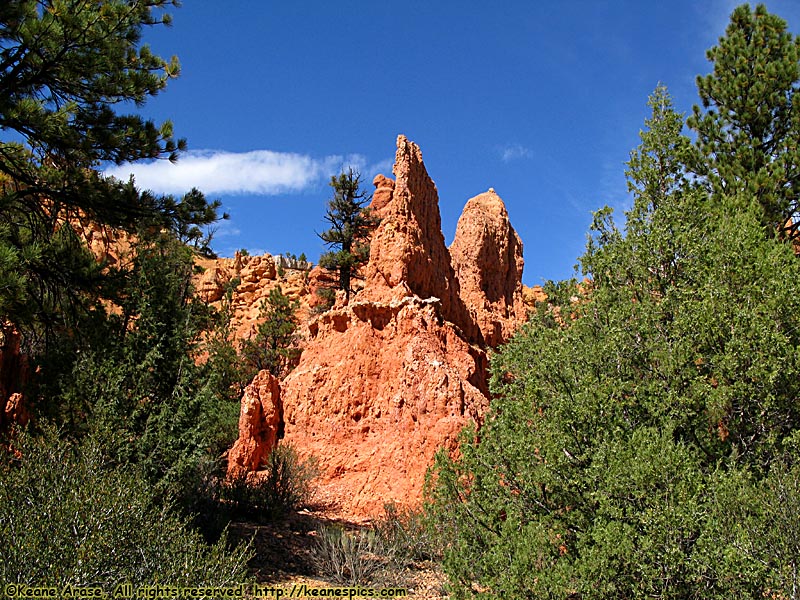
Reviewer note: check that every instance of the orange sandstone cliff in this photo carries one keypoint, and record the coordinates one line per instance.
(393, 376)
(249, 280)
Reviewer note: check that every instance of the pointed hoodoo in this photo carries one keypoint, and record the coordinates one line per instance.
(486, 254)
(408, 256)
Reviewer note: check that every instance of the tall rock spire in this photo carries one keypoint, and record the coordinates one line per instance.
(408, 256)
(486, 254)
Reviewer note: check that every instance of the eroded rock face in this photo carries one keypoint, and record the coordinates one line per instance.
(15, 411)
(379, 388)
(260, 425)
(319, 279)
(110, 246)
(487, 258)
(248, 280)
(387, 380)
(408, 256)
(211, 284)
(384, 189)
(532, 296)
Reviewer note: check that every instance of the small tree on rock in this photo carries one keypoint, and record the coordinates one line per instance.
(351, 224)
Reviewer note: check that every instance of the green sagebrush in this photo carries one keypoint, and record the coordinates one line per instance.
(628, 405)
(67, 517)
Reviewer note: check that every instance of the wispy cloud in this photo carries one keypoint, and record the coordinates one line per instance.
(384, 167)
(260, 172)
(514, 152)
(225, 229)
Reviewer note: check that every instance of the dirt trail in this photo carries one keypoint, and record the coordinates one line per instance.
(284, 554)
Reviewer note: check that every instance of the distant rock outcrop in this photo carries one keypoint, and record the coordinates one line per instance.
(246, 281)
(387, 380)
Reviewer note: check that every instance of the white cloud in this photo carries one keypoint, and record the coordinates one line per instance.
(261, 172)
(225, 229)
(383, 167)
(514, 152)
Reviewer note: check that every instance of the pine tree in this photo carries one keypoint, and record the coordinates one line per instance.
(65, 65)
(68, 69)
(627, 412)
(643, 440)
(748, 138)
(273, 348)
(351, 225)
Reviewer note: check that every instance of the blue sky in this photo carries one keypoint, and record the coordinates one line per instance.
(543, 101)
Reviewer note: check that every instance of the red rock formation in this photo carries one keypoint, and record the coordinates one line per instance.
(384, 188)
(250, 280)
(533, 296)
(260, 425)
(15, 411)
(408, 256)
(379, 388)
(211, 284)
(487, 258)
(319, 279)
(108, 245)
(388, 380)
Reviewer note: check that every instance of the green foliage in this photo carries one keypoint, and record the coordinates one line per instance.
(407, 535)
(273, 348)
(387, 553)
(626, 406)
(747, 139)
(114, 346)
(328, 297)
(68, 517)
(227, 372)
(351, 225)
(186, 217)
(133, 380)
(293, 258)
(756, 531)
(66, 65)
(350, 558)
(284, 484)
